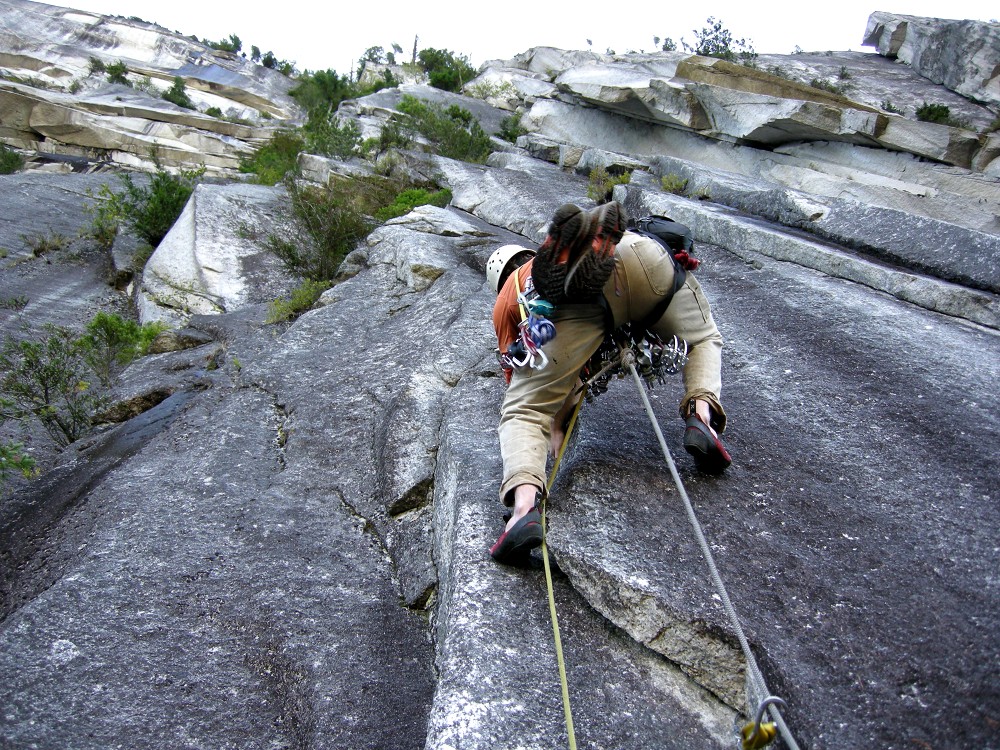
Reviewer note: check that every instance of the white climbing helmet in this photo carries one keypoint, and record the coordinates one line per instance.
(499, 261)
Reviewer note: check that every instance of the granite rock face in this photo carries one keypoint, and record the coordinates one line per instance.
(54, 103)
(277, 535)
(961, 55)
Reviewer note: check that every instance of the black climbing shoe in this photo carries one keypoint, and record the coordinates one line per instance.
(514, 546)
(710, 455)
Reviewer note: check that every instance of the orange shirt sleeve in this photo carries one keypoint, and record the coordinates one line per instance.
(506, 311)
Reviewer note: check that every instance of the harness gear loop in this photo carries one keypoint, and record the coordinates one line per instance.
(757, 735)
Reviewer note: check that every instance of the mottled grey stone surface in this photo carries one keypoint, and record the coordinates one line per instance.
(278, 535)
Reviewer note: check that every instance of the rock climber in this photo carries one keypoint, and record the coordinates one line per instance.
(590, 276)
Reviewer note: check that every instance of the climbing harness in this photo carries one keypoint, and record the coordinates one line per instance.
(654, 359)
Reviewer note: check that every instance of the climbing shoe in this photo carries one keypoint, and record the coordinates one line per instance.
(514, 545)
(710, 455)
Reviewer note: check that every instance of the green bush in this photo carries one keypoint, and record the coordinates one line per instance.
(232, 44)
(407, 200)
(14, 459)
(42, 244)
(330, 222)
(47, 378)
(511, 129)
(276, 158)
(329, 137)
(445, 70)
(10, 160)
(150, 211)
(824, 85)
(111, 342)
(177, 94)
(888, 106)
(673, 183)
(941, 114)
(97, 65)
(322, 91)
(214, 112)
(302, 298)
(601, 183)
(392, 135)
(714, 40)
(933, 113)
(13, 303)
(117, 72)
(452, 131)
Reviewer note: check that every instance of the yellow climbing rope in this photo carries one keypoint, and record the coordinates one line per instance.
(567, 711)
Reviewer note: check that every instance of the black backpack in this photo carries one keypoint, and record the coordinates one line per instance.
(671, 234)
(678, 242)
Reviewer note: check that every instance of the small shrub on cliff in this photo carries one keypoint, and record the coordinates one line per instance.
(331, 137)
(941, 114)
(302, 298)
(233, 44)
(111, 342)
(452, 131)
(511, 128)
(177, 94)
(10, 160)
(673, 183)
(14, 459)
(601, 183)
(322, 91)
(330, 222)
(824, 85)
(933, 113)
(445, 69)
(43, 244)
(392, 135)
(276, 158)
(117, 72)
(149, 211)
(48, 378)
(715, 40)
(408, 200)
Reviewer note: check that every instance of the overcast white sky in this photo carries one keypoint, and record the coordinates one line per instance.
(335, 34)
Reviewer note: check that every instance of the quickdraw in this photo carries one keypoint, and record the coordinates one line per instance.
(655, 359)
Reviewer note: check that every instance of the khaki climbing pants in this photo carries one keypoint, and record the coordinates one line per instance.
(535, 396)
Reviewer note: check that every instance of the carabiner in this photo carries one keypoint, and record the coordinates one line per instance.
(757, 735)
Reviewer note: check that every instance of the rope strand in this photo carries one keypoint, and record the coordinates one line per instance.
(757, 678)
